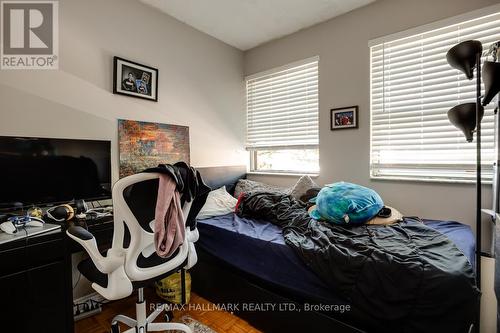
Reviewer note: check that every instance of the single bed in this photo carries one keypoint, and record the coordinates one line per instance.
(255, 246)
(238, 264)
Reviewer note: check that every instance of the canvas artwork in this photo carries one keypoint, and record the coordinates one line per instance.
(144, 145)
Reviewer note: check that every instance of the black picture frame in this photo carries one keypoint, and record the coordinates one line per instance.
(349, 116)
(134, 79)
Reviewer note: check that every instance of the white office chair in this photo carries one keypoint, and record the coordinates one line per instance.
(131, 263)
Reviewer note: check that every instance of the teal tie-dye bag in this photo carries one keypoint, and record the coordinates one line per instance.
(346, 203)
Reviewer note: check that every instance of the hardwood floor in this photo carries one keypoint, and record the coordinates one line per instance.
(220, 321)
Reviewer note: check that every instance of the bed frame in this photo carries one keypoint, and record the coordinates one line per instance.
(224, 284)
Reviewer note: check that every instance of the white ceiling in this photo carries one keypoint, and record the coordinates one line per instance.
(245, 24)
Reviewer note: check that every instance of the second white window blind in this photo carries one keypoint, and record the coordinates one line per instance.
(412, 89)
(282, 107)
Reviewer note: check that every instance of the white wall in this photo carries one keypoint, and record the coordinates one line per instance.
(342, 44)
(200, 82)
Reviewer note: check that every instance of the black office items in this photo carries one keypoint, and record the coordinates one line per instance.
(40, 171)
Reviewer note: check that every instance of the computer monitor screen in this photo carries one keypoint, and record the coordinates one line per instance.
(41, 171)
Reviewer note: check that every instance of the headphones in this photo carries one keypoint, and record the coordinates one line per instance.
(61, 213)
(81, 210)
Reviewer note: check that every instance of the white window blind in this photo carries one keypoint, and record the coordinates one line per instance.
(282, 107)
(412, 89)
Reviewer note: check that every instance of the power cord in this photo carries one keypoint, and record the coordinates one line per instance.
(26, 256)
(86, 307)
(78, 280)
(100, 212)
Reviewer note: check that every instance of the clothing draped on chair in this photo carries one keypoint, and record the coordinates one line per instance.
(169, 219)
(171, 196)
(179, 183)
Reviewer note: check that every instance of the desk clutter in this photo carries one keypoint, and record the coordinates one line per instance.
(36, 220)
(11, 233)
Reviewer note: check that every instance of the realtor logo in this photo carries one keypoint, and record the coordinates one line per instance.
(30, 35)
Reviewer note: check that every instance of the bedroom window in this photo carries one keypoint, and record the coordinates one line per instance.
(282, 119)
(412, 89)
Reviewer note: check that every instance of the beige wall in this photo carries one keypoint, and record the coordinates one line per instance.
(342, 44)
(200, 81)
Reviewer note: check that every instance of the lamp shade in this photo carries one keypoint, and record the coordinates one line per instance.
(463, 56)
(491, 79)
(463, 117)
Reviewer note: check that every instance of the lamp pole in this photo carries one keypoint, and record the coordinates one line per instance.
(478, 171)
(478, 185)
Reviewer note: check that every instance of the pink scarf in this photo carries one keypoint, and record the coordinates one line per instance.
(169, 219)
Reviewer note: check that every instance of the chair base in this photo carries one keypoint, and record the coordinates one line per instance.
(145, 324)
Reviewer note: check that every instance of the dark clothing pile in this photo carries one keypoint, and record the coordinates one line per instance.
(189, 184)
(404, 277)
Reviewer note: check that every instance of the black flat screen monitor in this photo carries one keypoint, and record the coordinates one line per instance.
(43, 171)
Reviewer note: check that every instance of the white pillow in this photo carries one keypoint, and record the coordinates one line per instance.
(303, 184)
(219, 202)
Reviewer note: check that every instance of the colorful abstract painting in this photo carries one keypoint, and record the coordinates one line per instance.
(145, 145)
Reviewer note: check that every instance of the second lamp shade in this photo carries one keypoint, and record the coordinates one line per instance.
(463, 116)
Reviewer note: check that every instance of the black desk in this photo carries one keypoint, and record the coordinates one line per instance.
(35, 284)
(36, 292)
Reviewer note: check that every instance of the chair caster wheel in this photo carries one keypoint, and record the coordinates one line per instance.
(115, 328)
(169, 316)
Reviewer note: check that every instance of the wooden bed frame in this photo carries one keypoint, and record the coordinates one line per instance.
(222, 283)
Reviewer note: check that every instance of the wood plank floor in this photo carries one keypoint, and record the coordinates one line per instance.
(220, 321)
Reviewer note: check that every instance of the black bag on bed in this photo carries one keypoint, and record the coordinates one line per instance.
(404, 277)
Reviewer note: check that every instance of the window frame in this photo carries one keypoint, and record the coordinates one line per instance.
(254, 150)
(442, 24)
(254, 170)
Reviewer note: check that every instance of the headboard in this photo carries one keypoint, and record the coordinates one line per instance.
(216, 177)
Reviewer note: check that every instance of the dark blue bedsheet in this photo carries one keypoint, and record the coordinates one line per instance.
(258, 248)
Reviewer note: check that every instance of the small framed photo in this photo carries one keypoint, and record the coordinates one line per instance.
(133, 79)
(342, 118)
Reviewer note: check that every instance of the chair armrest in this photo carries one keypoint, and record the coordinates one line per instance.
(80, 233)
(105, 265)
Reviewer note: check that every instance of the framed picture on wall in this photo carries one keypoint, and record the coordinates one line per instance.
(133, 79)
(343, 118)
(144, 145)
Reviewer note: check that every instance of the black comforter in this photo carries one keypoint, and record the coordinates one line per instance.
(404, 277)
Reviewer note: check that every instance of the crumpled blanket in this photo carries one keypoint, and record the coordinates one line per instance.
(404, 277)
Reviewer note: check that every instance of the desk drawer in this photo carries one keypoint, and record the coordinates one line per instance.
(36, 300)
(31, 255)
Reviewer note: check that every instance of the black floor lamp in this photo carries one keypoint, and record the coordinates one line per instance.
(466, 57)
